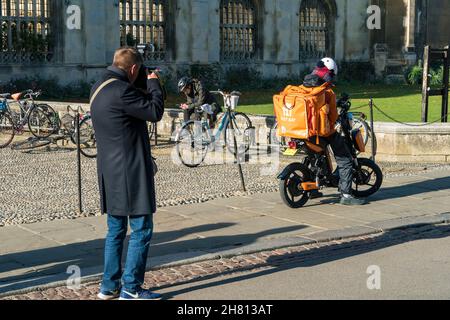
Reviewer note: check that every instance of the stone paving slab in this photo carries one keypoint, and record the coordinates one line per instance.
(39, 254)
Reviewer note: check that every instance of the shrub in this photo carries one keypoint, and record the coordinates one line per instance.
(243, 78)
(356, 72)
(415, 74)
(437, 75)
(210, 74)
(51, 89)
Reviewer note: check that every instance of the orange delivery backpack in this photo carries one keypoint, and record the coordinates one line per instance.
(304, 112)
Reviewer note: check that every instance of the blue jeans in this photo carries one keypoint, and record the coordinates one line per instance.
(132, 277)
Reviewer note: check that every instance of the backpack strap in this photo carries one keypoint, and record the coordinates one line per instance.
(100, 88)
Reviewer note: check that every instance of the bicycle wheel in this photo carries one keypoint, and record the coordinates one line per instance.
(43, 121)
(30, 143)
(242, 129)
(192, 144)
(7, 131)
(88, 143)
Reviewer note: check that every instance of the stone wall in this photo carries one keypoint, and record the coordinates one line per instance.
(427, 144)
(439, 24)
(193, 28)
(80, 55)
(396, 143)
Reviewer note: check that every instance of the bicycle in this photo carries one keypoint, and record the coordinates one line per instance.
(88, 142)
(42, 120)
(359, 120)
(195, 138)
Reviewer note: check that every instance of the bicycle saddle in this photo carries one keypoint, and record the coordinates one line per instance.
(18, 96)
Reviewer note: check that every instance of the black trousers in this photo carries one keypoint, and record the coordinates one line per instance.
(344, 160)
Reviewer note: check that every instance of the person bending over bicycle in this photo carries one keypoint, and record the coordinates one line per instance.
(198, 97)
(326, 72)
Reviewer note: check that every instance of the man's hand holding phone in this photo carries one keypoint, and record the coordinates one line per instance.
(152, 73)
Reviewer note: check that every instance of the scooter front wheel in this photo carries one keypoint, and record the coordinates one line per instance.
(367, 179)
(291, 189)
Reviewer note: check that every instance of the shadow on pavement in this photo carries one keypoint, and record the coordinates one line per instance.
(397, 192)
(412, 189)
(317, 256)
(45, 263)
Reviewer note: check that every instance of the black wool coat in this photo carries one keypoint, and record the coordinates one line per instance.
(125, 171)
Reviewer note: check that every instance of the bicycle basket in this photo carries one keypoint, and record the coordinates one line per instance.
(233, 100)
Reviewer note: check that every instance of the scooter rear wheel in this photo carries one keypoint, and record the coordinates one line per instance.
(291, 190)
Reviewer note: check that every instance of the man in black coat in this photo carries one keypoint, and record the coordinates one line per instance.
(120, 112)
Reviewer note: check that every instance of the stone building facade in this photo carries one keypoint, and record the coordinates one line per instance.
(74, 40)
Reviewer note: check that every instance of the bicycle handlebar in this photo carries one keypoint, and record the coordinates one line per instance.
(79, 109)
(31, 93)
(224, 94)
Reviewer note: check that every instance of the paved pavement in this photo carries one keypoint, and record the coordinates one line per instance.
(39, 254)
(394, 266)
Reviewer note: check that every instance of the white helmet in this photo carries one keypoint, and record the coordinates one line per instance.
(331, 65)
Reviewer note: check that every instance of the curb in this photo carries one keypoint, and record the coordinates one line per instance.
(321, 237)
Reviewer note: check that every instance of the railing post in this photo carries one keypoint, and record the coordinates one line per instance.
(425, 84)
(446, 86)
(373, 130)
(77, 128)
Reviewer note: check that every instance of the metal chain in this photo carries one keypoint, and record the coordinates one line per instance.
(408, 124)
(360, 107)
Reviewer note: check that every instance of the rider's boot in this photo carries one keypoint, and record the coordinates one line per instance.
(349, 200)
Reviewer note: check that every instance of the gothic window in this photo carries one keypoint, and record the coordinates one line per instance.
(25, 31)
(144, 21)
(316, 29)
(238, 30)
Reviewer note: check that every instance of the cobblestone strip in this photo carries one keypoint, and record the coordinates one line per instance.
(163, 278)
(185, 274)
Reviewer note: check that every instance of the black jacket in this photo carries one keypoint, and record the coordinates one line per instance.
(199, 96)
(120, 113)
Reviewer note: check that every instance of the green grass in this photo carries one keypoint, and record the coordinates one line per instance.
(401, 102)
